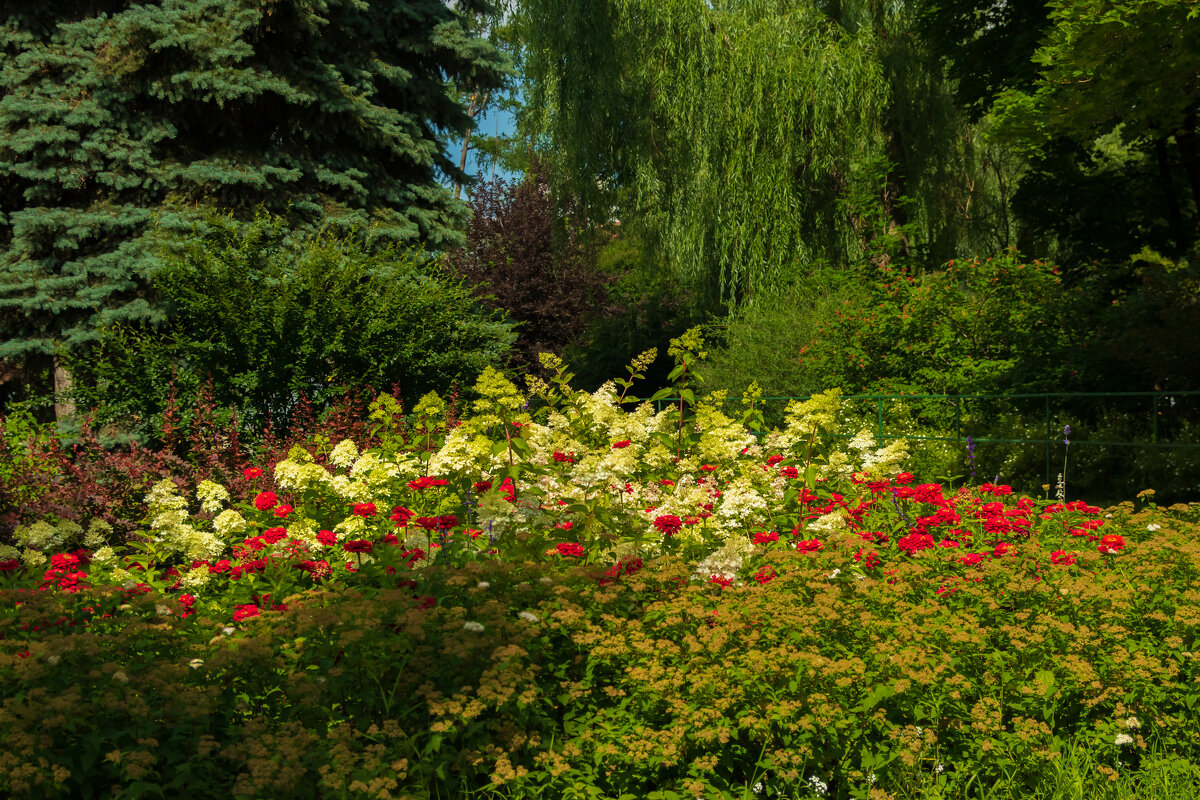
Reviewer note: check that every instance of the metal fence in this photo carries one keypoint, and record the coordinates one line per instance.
(1158, 421)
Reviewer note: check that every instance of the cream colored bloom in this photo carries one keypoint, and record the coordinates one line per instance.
(344, 454)
(211, 496)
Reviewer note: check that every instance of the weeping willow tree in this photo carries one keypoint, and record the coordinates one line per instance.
(755, 136)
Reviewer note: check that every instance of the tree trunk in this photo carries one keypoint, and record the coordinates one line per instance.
(1189, 151)
(64, 407)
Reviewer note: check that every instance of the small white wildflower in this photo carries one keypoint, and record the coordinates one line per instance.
(920, 730)
(871, 779)
(939, 769)
(528, 616)
(758, 787)
(545, 580)
(228, 630)
(473, 627)
(196, 663)
(1123, 739)
(1133, 723)
(162, 611)
(1154, 526)
(819, 786)
(52, 660)
(835, 573)
(120, 677)
(483, 585)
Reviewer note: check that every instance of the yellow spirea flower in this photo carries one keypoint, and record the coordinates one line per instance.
(229, 522)
(344, 454)
(40, 535)
(211, 496)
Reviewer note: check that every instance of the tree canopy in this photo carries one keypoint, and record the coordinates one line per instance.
(115, 113)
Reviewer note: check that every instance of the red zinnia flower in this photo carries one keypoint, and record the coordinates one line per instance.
(266, 501)
(245, 611)
(364, 509)
(571, 549)
(252, 472)
(327, 538)
(401, 516)
(1111, 543)
(766, 537)
(358, 546)
(273, 535)
(283, 511)
(808, 545)
(668, 524)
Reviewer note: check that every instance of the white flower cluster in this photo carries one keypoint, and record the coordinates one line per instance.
(211, 496)
(171, 523)
(725, 562)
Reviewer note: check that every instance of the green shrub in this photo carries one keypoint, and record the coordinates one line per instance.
(273, 319)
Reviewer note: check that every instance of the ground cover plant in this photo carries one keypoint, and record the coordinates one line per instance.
(567, 594)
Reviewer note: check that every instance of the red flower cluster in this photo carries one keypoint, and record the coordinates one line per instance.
(668, 524)
(620, 444)
(442, 523)
(266, 501)
(358, 546)
(808, 546)
(617, 570)
(766, 537)
(570, 549)
(401, 516)
(567, 458)
(426, 482)
(327, 538)
(364, 509)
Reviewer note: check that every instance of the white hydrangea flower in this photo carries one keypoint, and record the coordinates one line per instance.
(211, 496)
(195, 578)
(528, 616)
(353, 491)
(294, 476)
(1133, 723)
(98, 532)
(473, 627)
(40, 535)
(827, 525)
(740, 505)
(350, 527)
(344, 454)
(725, 562)
(103, 555)
(9, 553)
(229, 522)
(1123, 739)
(33, 558)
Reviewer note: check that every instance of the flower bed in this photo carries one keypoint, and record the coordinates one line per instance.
(595, 601)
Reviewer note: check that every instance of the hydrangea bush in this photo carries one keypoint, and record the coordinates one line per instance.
(565, 589)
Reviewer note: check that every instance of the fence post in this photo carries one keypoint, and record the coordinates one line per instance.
(958, 417)
(879, 417)
(1048, 481)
